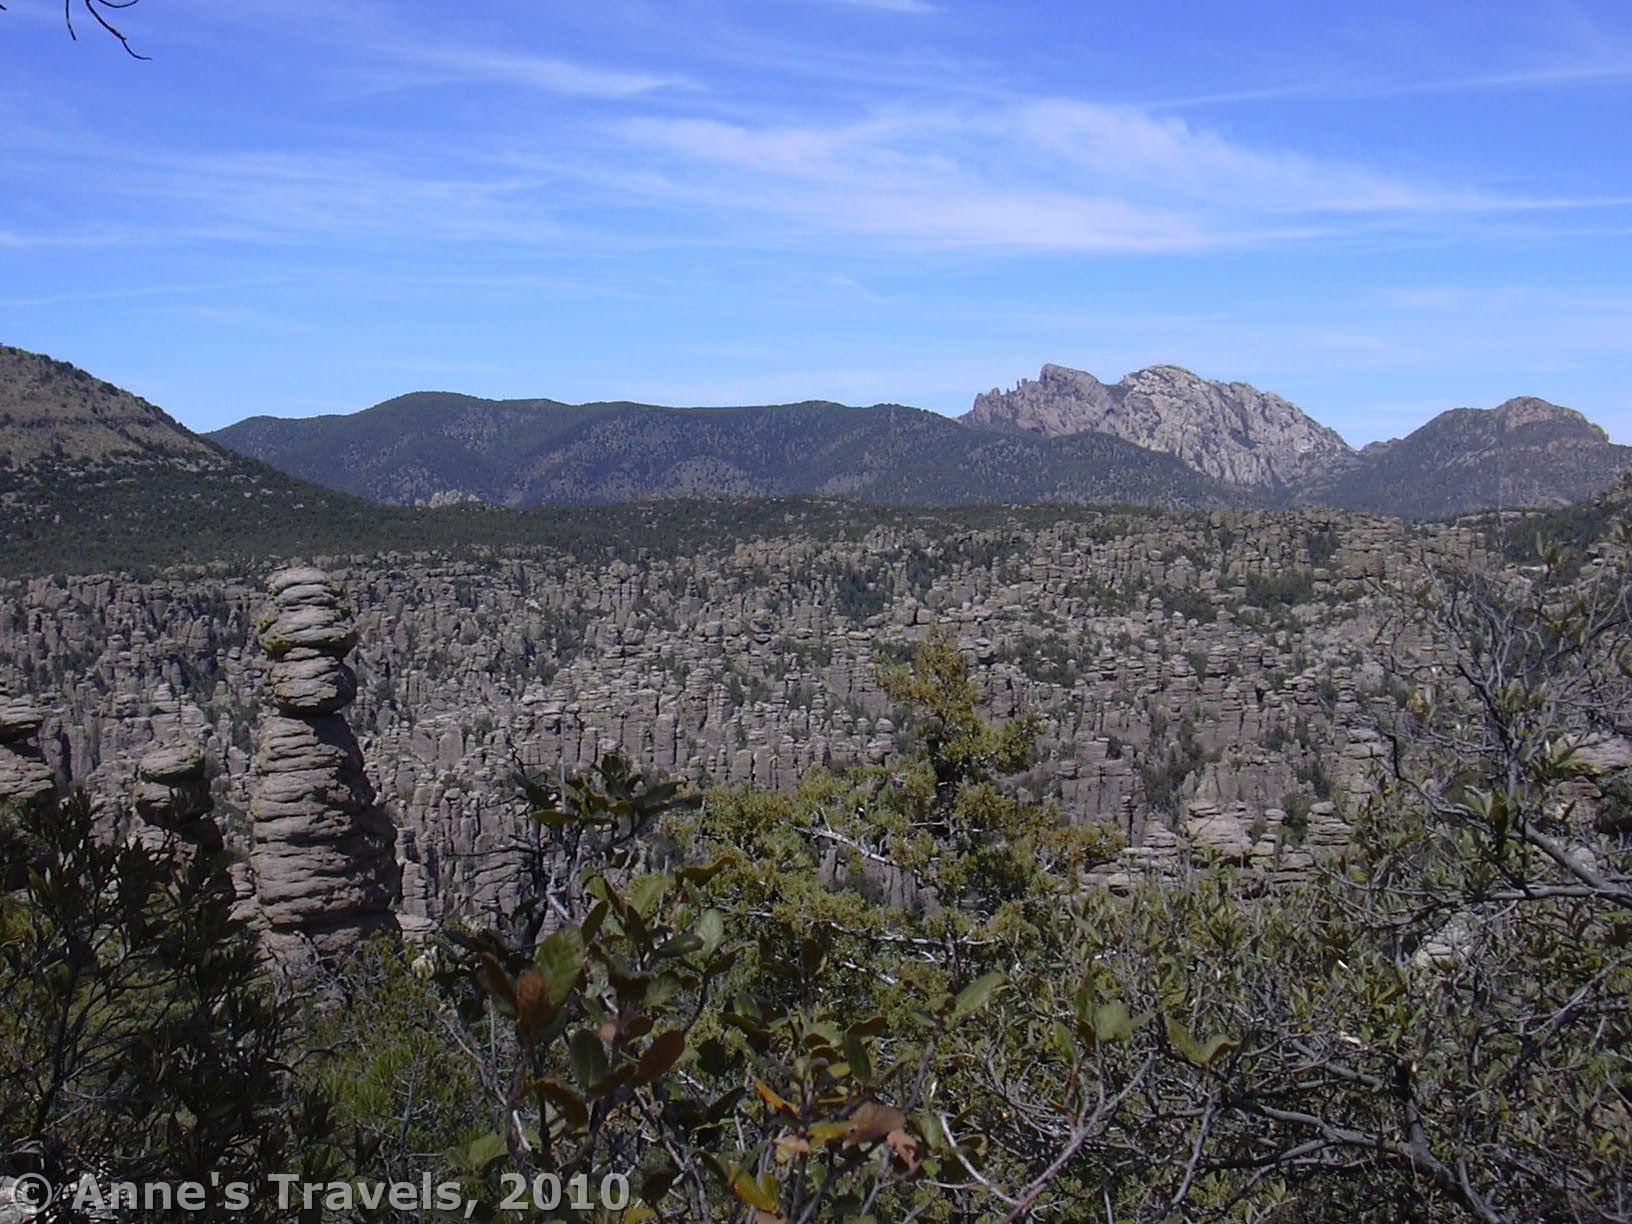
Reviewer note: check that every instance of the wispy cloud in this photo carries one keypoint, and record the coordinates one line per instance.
(541, 72)
(81, 237)
(384, 44)
(1045, 174)
(281, 195)
(894, 6)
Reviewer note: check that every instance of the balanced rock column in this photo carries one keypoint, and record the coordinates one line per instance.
(24, 775)
(324, 854)
(172, 796)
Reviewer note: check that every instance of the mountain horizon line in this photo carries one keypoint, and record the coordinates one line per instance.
(1161, 437)
(703, 405)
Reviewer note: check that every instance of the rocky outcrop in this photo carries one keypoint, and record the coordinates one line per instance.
(172, 796)
(751, 660)
(324, 853)
(1230, 431)
(24, 775)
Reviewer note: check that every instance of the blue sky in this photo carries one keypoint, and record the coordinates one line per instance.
(298, 206)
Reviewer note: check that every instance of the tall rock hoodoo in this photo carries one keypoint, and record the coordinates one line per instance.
(172, 796)
(24, 775)
(323, 859)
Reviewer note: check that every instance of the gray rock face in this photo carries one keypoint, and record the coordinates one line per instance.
(308, 681)
(1230, 431)
(172, 794)
(323, 859)
(24, 775)
(19, 719)
(748, 661)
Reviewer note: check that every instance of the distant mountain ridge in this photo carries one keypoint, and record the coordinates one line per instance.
(78, 455)
(432, 447)
(1230, 431)
(1525, 453)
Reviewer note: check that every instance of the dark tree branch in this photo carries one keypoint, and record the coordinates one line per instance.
(95, 9)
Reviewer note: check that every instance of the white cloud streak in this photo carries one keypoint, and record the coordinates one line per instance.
(894, 6)
(540, 72)
(1041, 175)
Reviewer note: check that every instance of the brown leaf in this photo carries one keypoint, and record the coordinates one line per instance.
(533, 1008)
(770, 1097)
(568, 1102)
(659, 1056)
(490, 975)
(904, 1150)
(871, 1122)
(788, 1146)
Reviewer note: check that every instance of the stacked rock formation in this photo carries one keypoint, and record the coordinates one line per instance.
(24, 776)
(172, 796)
(324, 854)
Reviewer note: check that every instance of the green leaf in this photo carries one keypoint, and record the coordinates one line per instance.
(588, 1059)
(1112, 1021)
(560, 962)
(644, 893)
(762, 1192)
(683, 944)
(711, 930)
(1202, 1053)
(857, 1054)
(722, 962)
(976, 995)
(483, 1151)
(703, 874)
(593, 920)
(1085, 1000)
(1064, 1046)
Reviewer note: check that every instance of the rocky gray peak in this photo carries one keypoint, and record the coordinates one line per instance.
(1060, 401)
(324, 852)
(172, 794)
(24, 775)
(1526, 410)
(1230, 431)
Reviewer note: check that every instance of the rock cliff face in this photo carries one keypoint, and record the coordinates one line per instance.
(24, 775)
(324, 854)
(749, 660)
(1230, 431)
